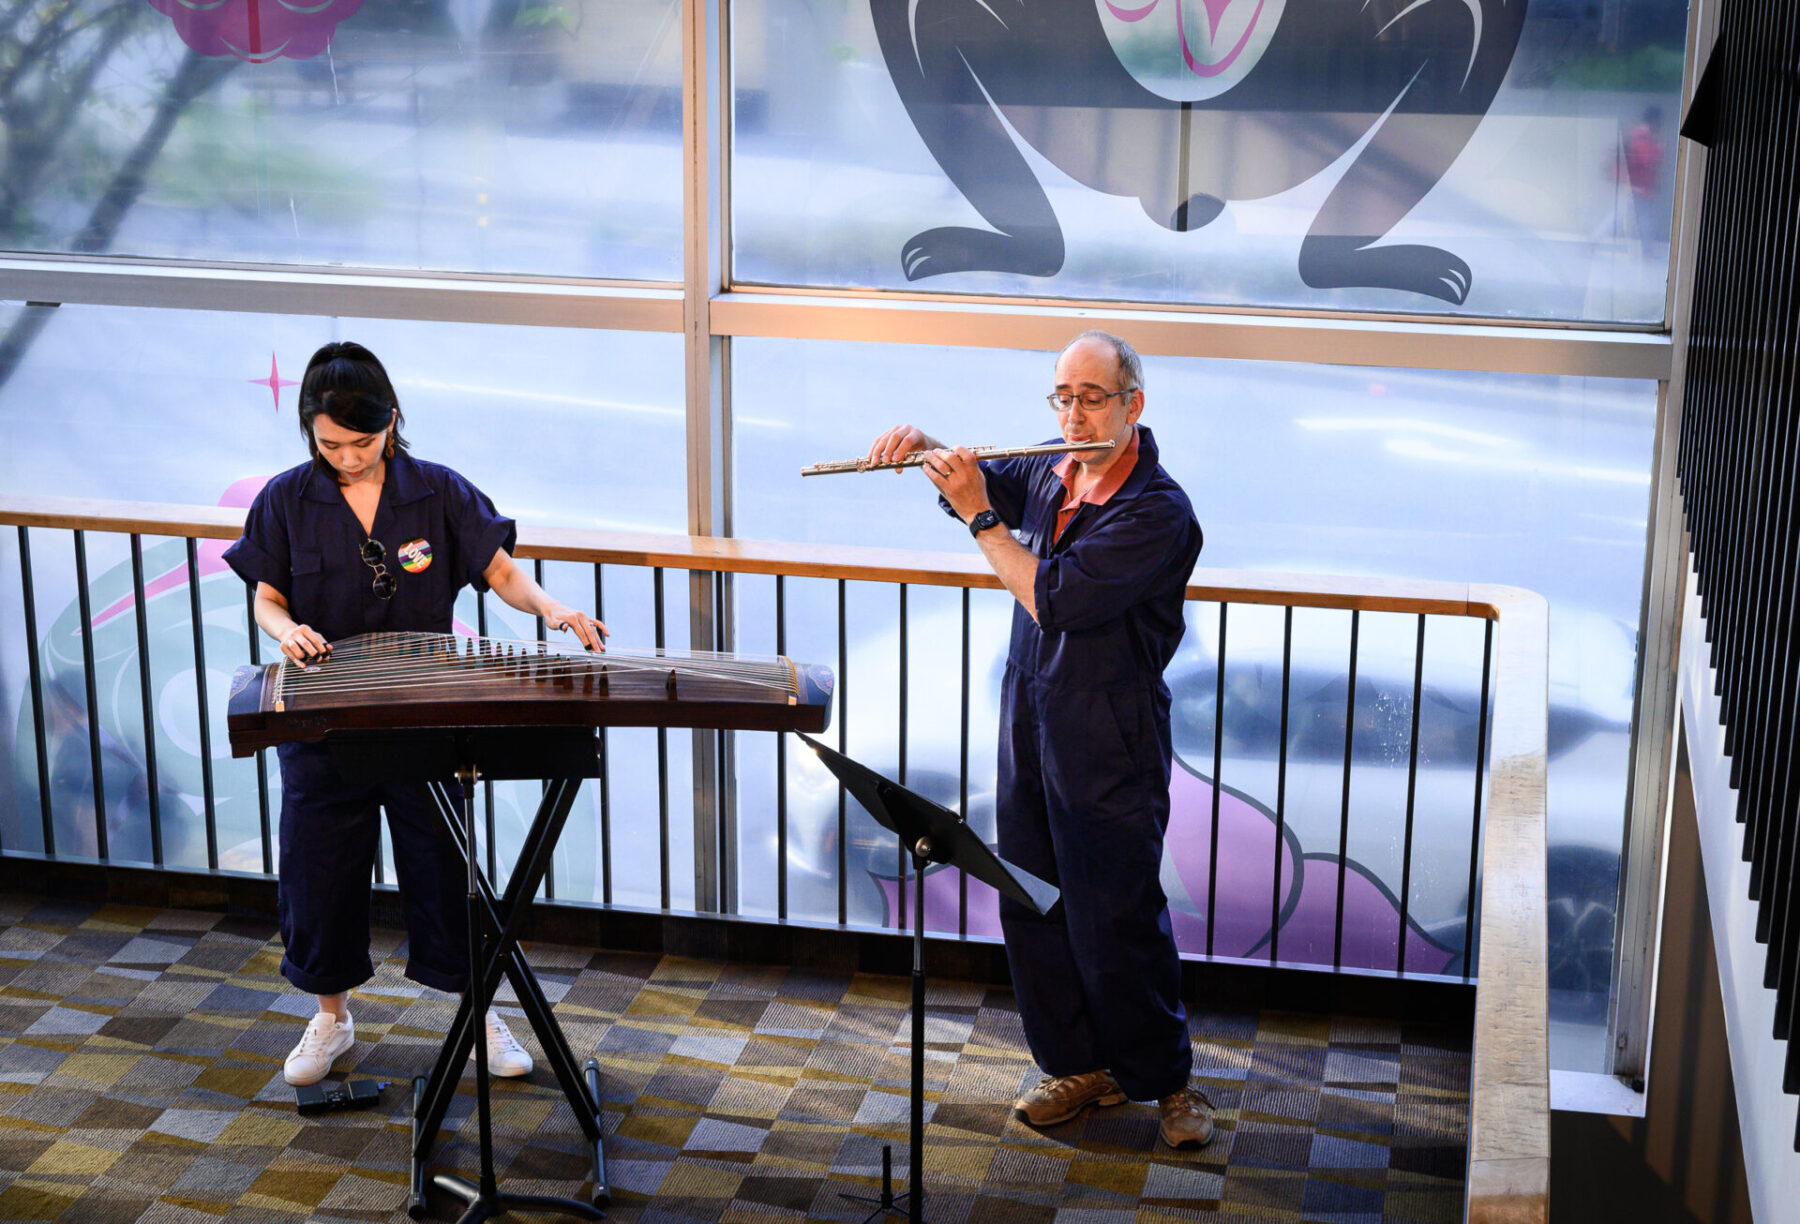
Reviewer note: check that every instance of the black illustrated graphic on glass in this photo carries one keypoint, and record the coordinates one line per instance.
(1420, 73)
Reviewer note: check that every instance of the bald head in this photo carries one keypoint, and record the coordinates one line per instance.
(1129, 367)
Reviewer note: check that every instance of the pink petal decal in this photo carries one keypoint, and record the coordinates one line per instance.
(942, 901)
(1215, 10)
(1246, 860)
(1136, 14)
(210, 553)
(1246, 857)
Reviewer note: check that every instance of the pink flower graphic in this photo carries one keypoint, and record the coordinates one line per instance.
(257, 30)
(1215, 13)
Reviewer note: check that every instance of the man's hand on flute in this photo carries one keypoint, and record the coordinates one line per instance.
(899, 442)
(957, 474)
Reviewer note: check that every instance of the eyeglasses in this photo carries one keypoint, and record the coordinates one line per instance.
(373, 554)
(1092, 398)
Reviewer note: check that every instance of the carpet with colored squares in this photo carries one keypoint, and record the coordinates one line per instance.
(140, 1080)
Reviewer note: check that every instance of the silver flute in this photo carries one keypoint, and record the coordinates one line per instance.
(915, 458)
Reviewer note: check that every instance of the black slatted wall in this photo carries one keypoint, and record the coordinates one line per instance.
(1740, 452)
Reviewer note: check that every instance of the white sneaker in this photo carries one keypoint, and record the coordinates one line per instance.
(325, 1038)
(505, 1056)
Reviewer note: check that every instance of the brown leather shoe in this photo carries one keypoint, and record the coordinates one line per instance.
(1186, 1118)
(1057, 1098)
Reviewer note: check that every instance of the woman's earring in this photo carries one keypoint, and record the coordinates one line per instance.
(388, 451)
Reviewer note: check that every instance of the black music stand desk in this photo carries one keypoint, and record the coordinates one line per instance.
(563, 756)
(930, 833)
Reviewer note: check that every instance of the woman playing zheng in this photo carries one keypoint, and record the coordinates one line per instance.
(364, 538)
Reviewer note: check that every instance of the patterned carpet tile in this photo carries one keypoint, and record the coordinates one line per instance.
(140, 1082)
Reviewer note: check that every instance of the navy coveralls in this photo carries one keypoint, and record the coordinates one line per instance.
(302, 538)
(1085, 755)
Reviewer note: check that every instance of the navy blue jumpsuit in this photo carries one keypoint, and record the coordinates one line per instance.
(1085, 755)
(302, 538)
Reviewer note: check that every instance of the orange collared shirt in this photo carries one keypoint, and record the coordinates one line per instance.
(1102, 492)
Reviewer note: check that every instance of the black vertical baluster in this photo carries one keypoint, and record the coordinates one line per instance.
(1337, 943)
(144, 696)
(262, 758)
(781, 792)
(606, 893)
(1287, 675)
(843, 696)
(723, 796)
(206, 772)
(904, 858)
(662, 754)
(95, 758)
(537, 571)
(1770, 697)
(34, 667)
(1412, 789)
(1481, 723)
(487, 788)
(1212, 866)
(962, 877)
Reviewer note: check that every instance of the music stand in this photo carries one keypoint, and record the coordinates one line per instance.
(930, 833)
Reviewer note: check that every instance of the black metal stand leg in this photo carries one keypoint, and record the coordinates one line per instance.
(915, 1180)
(913, 1197)
(583, 1096)
(602, 1195)
(415, 1205)
(887, 1200)
(493, 933)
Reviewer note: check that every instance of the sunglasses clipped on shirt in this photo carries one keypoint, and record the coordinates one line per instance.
(374, 553)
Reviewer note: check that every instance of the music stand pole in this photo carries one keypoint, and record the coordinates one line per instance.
(931, 833)
(915, 1164)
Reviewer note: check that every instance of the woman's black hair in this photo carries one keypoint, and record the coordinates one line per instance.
(347, 383)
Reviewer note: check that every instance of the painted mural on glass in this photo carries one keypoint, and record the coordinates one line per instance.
(1271, 94)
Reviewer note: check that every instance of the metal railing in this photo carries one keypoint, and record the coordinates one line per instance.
(1502, 915)
(1740, 446)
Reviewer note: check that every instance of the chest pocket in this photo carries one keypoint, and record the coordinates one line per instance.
(306, 587)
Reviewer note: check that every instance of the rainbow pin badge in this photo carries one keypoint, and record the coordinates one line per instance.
(416, 556)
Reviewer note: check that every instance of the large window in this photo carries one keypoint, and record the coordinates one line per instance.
(1527, 480)
(211, 192)
(499, 136)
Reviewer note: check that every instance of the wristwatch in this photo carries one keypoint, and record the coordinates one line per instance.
(981, 522)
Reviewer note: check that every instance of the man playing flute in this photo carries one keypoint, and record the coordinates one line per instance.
(1097, 548)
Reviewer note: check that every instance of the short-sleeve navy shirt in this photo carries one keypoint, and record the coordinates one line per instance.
(302, 538)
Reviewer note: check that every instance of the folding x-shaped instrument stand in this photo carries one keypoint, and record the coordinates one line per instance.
(564, 755)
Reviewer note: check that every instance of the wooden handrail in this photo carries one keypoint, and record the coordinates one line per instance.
(1509, 1101)
(711, 554)
(1509, 1110)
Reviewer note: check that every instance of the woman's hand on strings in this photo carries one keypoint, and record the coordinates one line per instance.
(303, 645)
(591, 632)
